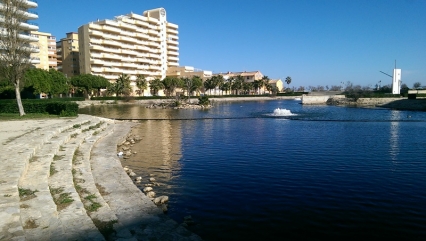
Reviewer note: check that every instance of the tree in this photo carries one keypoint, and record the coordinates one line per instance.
(156, 85)
(264, 82)
(170, 84)
(59, 83)
(192, 84)
(417, 85)
(15, 55)
(141, 83)
(225, 86)
(288, 81)
(89, 82)
(37, 81)
(122, 85)
(237, 84)
(247, 87)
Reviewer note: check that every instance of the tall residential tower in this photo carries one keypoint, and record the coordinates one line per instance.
(68, 55)
(129, 44)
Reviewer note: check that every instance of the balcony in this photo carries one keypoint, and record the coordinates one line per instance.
(142, 47)
(96, 69)
(97, 61)
(95, 32)
(111, 50)
(35, 60)
(29, 26)
(128, 51)
(153, 32)
(155, 67)
(174, 53)
(95, 26)
(129, 65)
(97, 47)
(172, 58)
(30, 14)
(171, 41)
(111, 43)
(29, 37)
(127, 39)
(127, 26)
(52, 63)
(173, 64)
(31, 3)
(142, 35)
(171, 47)
(112, 56)
(127, 71)
(173, 31)
(155, 56)
(111, 29)
(172, 25)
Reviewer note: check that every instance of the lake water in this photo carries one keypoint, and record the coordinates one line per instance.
(278, 170)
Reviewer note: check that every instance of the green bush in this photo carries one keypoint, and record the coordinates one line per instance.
(61, 108)
(203, 100)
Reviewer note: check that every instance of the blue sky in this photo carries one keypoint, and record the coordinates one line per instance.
(316, 42)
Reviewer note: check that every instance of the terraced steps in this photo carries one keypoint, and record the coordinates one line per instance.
(65, 182)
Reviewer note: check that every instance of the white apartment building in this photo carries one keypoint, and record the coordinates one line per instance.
(26, 26)
(129, 44)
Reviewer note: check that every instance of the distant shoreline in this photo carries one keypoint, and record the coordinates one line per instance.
(399, 104)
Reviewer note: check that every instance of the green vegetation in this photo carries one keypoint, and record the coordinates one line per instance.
(26, 194)
(53, 170)
(62, 200)
(204, 100)
(105, 228)
(51, 107)
(87, 83)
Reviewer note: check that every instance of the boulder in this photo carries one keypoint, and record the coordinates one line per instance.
(150, 194)
(151, 179)
(147, 189)
(161, 200)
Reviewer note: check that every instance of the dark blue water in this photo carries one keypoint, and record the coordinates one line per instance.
(324, 173)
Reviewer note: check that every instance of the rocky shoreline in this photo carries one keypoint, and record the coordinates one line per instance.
(389, 103)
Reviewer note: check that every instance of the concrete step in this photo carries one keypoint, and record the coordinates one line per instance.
(39, 215)
(14, 160)
(75, 222)
(98, 210)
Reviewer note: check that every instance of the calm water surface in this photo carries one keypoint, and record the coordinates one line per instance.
(244, 172)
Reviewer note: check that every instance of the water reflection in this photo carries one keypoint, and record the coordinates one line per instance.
(159, 151)
(394, 135)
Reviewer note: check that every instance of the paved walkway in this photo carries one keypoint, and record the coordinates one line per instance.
(60, 179)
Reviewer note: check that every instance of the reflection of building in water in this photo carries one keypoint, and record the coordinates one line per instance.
(159, 151)
(394, 135)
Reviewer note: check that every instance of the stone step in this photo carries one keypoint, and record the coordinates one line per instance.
(96, 207)
(39, 215)
(138, 218)
(14, 160)
(75, 222)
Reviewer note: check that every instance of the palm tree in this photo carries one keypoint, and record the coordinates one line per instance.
(225, 86)
(237, 84)
(288, 81)
(142, 84)
(170, 84)
(257, 84)
(247, 86)
(156, 85)
(265, 81)
(121, 85)
(220, 81)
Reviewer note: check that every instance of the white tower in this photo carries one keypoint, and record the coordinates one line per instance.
(396, 81)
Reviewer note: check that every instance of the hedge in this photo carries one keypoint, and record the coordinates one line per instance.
(61, 108)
